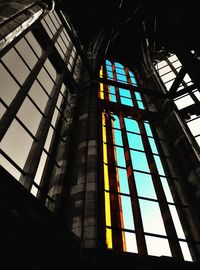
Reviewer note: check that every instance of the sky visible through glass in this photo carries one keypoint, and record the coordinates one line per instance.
(148, 202)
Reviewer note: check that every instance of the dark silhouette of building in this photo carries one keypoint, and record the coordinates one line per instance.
(100, 137)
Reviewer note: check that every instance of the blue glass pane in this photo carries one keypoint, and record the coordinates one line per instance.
(139, 161)
(126, 101)
(118, 137)
(112, 89)
(123, 181)
(118, 65)
(121, 78)
(153, 145)
(108, 62)
(116, 123)
(159, 165)
(120, 156)
(127, 213)
(113, 98)
(110, 74)
(135, 141)
(138, 96)
(140, 105)
(131, 125)
(148, 129)
(144, 184)
(109, 68)
(124, 93)
(166, 189)
(133, 81)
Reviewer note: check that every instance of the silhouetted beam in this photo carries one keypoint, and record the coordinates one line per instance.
(142, 90)
(177, 82)
(183, 91)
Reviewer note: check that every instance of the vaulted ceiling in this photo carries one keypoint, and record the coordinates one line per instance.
(128, 22)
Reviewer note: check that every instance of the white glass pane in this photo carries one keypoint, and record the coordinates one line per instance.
(26, 52)
(29, 115)
(9, 87)
(38, 95)
(131, 125)
(40, 168)
(151, 217)
(184, 102)
(45, 80)
(9, 167)
(131, 244)
(177, 222)
(34, 44)
(157, 246)
(19, 69)
(166, 189)
(16, 143)
(185, 251)
(194, 126)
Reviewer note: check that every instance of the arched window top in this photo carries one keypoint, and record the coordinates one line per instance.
(120, 73)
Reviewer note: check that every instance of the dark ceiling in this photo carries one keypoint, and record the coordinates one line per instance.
(128, 22)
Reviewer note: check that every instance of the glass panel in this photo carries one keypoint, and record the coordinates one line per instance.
(49, 138)
(176, 221)
(29, 115)
(50, 69)
(37, 91)
(153, 145)
(45, 80)
(140, 105)
(159, 165)
(131, 125)
(40, 168)
(9, 87)
(185, 251)
(135, 141)
(26, 52)
(34, 44)
(2, 110)
(19, 69)
(118, 137)
(112, 98)
(148, 129)
(16, 150)
(116, 123)
(111, 89)
(123, 180)
(166, 189)
(120, 157)
(151, 217)
(121, 78)
(144, 184)
(194, 126)
(127, 213)
(138, 96)
(9, 167)
(157, 246)
(184, 102)
(131, 244)
(126, 101)
(139, 161)
(124, 93)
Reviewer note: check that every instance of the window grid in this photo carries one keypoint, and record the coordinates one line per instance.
(124, 166)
